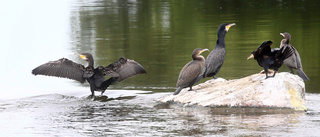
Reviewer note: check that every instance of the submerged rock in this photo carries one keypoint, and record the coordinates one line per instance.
(283, 91)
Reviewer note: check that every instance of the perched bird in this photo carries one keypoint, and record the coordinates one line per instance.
(190, 71)
(270, 59)
(294, 61)
(216, 57)
(65, 68)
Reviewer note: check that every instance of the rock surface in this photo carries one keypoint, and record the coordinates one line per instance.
(283, 91)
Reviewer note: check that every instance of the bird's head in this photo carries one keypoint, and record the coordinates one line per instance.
(202, 50)
(286, 36)
(196, 53)
(85, 56)
(251, 55)
(223, 29)
(228, 26)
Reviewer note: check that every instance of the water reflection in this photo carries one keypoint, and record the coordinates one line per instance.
(162, 34)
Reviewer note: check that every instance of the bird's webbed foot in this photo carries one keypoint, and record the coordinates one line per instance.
(272, 75)
(264, 72)
(92, 96)
(214, 77)
(190, 89)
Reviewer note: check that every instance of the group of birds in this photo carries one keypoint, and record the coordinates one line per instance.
(189, 75)
(266, 57)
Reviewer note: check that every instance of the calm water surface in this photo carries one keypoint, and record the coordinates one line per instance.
(160, 35)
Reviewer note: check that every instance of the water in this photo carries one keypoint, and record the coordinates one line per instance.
(140, 115)
(160, 35)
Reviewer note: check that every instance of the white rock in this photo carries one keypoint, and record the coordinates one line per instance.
(283, 91)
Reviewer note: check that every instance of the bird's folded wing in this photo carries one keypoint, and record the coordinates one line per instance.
(297, 57)
(61, 68)
(189, 73)
(123, 69)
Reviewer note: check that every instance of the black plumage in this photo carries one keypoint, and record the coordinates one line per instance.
(294, 61)
(190, 71)
(65, 68)
(270, 59)
(215, 59)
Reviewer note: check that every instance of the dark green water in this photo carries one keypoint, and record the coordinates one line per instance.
(160, 35)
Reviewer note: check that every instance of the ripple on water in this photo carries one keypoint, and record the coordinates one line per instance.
(141, 115)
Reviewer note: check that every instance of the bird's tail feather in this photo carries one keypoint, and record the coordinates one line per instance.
(302, 74)
(177, 91)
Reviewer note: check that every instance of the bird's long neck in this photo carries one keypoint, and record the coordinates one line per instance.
(284, 41)
(198, 57)
(220, 43)
(287, 40)
(90, 62)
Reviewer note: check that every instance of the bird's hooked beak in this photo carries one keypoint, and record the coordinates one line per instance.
(203, 50)
(282, 34)
(82, 56)
(251, 56)
(229, 26)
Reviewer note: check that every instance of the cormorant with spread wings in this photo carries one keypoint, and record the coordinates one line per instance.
(117, 71)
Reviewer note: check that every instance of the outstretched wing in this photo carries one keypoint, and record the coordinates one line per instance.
(123, 69)
(284, 53)
(264, 48)
(61, 68)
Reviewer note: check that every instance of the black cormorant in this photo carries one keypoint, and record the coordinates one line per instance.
(216, 57)
(190, 71)
(293, 62)
(270, 59)
(65, 68)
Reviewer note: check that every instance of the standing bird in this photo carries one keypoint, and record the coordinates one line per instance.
(65, 68)
(293, 62)
(268, 58)
(216, 57)
(190, 71)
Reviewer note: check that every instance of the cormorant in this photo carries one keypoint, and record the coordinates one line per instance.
(190, 71)
(65, 68)
(216, 57)
(270, 59)
(294, 61)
